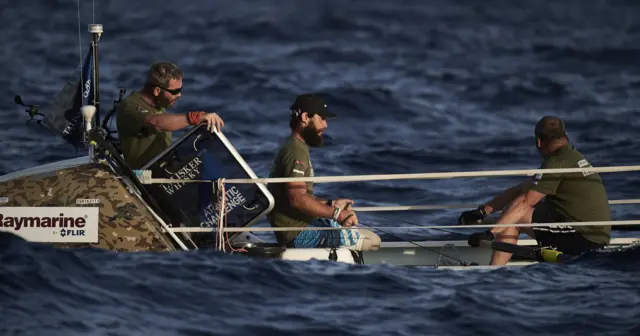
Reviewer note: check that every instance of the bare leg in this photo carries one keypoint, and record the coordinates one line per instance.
(518, 212)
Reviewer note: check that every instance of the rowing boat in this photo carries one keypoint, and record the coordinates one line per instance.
(98, 201)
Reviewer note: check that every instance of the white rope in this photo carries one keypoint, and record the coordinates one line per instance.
(221, 229)
(453, 206)
(350, 178)
(426, 227)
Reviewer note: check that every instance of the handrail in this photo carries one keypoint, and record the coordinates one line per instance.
(425, 227)
(146, 178)
(453, 206)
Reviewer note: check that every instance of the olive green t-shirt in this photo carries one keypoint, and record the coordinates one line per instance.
(140, 142)
(579, 197)
(292, 160)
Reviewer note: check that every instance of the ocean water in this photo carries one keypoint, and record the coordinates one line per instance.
(419, 86)
(90, 292)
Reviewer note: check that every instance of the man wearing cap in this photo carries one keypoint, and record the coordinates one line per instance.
(568, 197)
(295, 205)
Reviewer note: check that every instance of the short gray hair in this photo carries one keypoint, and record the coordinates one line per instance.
(161, 73)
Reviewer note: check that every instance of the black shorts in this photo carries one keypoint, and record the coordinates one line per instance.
(562, 238)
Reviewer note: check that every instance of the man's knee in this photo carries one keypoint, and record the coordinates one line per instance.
(520, 211)
(518, 204)
(369, 240)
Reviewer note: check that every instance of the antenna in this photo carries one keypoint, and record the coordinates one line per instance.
(92, 112)
(96, 30)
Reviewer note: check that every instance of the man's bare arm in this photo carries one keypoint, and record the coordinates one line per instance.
(311, 206)
(305, 203)
(506, 197)
(167, 122)
(175, 122)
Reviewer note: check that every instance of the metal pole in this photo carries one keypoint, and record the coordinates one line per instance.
(96, 31)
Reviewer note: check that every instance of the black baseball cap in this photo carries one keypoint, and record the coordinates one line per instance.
(312, 104)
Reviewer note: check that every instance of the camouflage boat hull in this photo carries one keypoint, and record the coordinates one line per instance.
(125, 222)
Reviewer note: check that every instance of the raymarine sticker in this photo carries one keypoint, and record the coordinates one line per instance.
(51, 224)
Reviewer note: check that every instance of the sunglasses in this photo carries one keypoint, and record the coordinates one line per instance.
(173, 92)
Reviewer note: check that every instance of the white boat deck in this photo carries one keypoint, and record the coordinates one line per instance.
(447, 253)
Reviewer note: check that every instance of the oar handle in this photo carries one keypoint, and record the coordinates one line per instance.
(549, 255)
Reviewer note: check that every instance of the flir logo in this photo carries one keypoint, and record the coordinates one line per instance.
(71, 232)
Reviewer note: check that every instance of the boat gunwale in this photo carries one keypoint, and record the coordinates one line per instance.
(46, 168)
(463, 243)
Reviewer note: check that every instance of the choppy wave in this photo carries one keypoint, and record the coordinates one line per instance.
(69, 292)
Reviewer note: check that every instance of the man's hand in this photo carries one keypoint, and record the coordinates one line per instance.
(342, 203)
(348, 218)
(213, 120)
(472, 216)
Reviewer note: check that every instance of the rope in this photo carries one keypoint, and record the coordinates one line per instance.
(352, 178)
(428, 227)
(222, 196)
(454, 206)
(222, 236)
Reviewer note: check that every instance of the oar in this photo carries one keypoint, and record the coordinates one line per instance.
(485, 239)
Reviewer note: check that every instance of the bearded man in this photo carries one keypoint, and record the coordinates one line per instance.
(144, 126)
(295, 204)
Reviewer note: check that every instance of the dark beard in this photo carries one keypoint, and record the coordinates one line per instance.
(161, 102)
(311, 137)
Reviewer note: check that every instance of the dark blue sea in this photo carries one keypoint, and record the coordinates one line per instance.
(419, 86)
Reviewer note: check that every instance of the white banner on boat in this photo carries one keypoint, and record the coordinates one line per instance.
(51, 224)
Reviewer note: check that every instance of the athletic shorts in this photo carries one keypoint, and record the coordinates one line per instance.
(326, 238)
(562, 238)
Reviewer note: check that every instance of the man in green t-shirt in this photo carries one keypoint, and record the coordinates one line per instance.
(295, 204)
(568, 197)
(144, 126)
